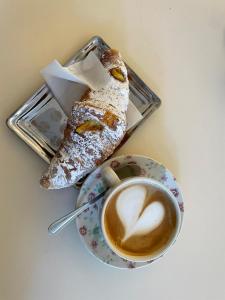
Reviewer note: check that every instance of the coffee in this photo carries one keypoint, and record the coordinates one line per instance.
(140, 220)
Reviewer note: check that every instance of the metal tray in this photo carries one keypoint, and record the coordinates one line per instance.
(21, 121)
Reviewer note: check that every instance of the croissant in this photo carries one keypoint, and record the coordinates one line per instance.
(96, 126)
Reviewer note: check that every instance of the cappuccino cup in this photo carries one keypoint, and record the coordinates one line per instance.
(140, 218)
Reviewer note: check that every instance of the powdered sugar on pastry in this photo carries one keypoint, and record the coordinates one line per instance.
(95, 128)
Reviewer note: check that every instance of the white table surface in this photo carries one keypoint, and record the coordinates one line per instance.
(178, 48)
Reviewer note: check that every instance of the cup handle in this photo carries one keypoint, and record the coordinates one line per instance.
(110, 176)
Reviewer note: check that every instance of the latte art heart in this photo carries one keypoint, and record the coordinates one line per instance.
(129, 207)
(139, 220)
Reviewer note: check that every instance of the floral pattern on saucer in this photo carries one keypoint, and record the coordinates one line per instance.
(88, 222)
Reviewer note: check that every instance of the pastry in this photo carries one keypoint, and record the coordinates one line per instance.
(95, 128)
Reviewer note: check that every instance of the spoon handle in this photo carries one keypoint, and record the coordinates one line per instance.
(62, 222)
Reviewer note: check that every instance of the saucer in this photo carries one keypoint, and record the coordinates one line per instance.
(88, 222)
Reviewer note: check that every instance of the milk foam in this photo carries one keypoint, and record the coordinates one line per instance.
(129, 205)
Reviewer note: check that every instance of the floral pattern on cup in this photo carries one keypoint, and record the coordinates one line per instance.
(83, 230)
(114, 164)
(88, 223)
(175, 192)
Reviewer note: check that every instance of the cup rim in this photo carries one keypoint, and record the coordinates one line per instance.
(155, 183)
